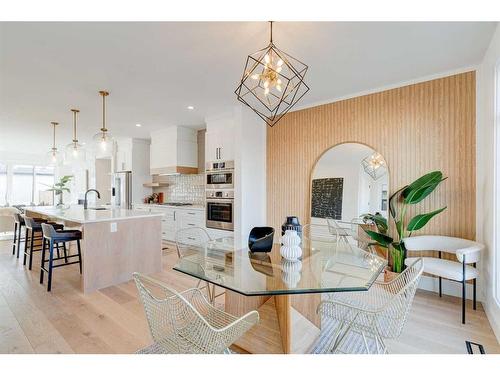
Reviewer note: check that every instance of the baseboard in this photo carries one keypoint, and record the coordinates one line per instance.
(493, 313)
(449, 288)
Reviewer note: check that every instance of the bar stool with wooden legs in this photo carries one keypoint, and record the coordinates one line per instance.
(33, 233)
(54, 237)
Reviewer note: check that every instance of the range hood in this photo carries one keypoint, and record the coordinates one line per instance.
(174, 151)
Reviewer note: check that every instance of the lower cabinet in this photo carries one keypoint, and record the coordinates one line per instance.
(175, 219)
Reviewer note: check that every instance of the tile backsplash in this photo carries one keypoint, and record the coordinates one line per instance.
(188, 188)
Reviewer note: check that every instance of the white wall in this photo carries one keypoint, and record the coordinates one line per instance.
(250, 174)
(488, 182)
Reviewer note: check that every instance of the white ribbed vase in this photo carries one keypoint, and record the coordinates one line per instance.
(290, 238)
(291, 272)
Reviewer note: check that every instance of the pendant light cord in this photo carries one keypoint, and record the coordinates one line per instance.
(271, 31)
(54, 124)
(75, 112)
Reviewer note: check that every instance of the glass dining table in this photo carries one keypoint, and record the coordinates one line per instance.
(325, 267)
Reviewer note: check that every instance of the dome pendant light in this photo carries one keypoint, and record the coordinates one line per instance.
(53, 156)
(75, 152)
(103, 140)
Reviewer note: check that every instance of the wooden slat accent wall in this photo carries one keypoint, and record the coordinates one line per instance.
(417, 128)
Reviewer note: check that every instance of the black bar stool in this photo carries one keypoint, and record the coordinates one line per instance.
(34, 232)
(18, 227)
(18, 224)
(55, 237)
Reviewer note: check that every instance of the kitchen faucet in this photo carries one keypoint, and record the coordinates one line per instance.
(88, 191)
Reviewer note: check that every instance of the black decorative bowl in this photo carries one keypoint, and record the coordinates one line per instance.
(260, 239)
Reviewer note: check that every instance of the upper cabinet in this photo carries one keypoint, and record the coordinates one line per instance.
(220, 138)
(174, 150)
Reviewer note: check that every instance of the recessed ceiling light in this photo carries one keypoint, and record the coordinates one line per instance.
(190, 107)
(138, 125)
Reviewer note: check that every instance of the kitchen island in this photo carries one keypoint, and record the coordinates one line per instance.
(115, 243)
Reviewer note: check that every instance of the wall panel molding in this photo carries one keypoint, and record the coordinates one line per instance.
(417, 128)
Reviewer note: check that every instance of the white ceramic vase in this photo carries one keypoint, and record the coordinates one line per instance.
(290, 238)
(291, 272)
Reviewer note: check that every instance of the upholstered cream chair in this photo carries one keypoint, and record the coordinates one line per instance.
(466, 251)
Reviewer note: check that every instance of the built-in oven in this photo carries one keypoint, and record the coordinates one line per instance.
(220, 209)
(220, 175)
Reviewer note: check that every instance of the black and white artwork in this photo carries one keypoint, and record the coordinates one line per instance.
(327, 198)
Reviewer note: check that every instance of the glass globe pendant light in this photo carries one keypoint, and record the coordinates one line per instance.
(54, 157)
(75, 152)
(103, 141)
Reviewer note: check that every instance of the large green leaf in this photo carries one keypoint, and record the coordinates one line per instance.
(422, 187)
(382, 239)
(392, 206)
(419, 221)
(379, 220)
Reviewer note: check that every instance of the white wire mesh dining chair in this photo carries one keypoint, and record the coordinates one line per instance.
(190, 239)
(182, 323)
(360, 321)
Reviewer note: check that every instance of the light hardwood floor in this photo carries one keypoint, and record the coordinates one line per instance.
(111, 320)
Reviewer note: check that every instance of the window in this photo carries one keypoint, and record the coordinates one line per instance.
(22, 184)
(3, 184)
(44, 179)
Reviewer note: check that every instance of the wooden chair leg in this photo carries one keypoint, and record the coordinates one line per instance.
(79, 255)
(474, 294)
(51, 257)
(14, 241)
(44, 245)
(31, 250)
(440, 286)
(463, 292)
(26, 244)
(65, 253)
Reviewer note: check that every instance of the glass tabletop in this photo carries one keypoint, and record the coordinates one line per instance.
(324, 267)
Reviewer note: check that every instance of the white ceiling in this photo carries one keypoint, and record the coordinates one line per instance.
(155, 70)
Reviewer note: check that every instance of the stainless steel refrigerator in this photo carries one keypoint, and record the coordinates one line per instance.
(121, 190)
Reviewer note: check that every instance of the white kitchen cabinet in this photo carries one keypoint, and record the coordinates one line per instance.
(175, 219)
(219, 139)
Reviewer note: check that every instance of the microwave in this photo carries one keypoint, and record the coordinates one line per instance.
(220, 175)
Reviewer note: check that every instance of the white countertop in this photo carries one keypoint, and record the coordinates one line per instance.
(78, 215)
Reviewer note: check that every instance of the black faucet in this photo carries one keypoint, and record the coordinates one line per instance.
(85, 202)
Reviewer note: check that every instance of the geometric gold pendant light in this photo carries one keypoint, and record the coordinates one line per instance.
(103, 141)
(272, 82)
(75, 152)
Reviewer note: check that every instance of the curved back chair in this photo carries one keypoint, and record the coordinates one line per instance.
(186, 322)
(189, 238)
(467, 253)
(364, 318)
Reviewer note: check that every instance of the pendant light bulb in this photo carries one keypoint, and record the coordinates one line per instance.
(103, 140)
(75, 152)
(53, 156)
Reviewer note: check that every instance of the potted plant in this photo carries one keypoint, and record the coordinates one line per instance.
(59, 187)
(399, 202)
